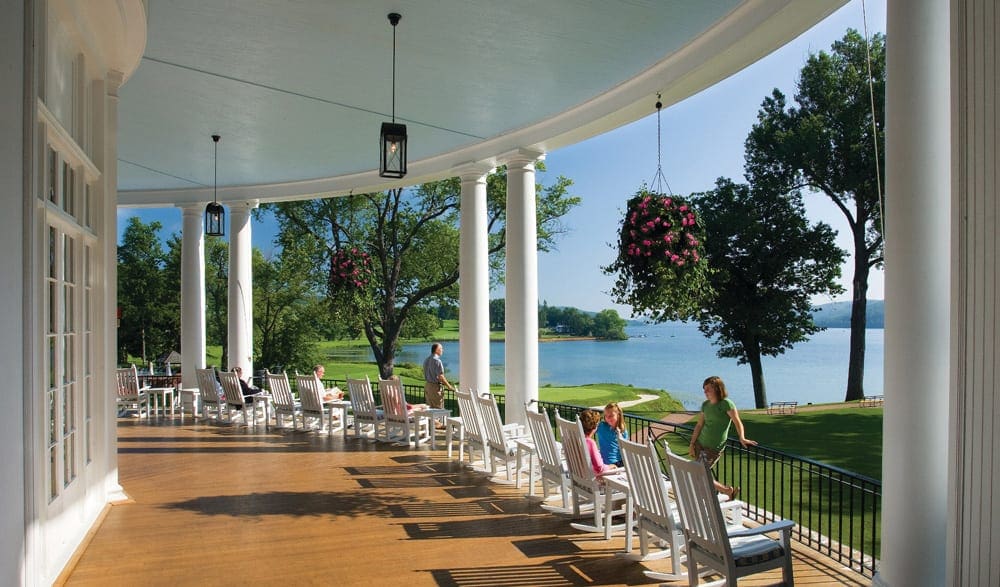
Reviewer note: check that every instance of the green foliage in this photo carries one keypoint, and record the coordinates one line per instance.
(498, 314)
(766, 263)
(825, 142)
(420, 325)
(149, 301)
(287, 310)
(608, 325)
(658, 267)
(217, 294)
(411, 240)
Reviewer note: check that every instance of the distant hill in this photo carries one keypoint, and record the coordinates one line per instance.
(838, 314)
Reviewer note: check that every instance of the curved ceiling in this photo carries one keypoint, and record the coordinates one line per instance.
(298, 90)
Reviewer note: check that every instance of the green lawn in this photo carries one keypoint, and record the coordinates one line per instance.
(849, 438)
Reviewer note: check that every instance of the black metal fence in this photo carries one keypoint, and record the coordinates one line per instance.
(837, 512)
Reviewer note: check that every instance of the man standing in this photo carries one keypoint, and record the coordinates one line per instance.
(434, 379)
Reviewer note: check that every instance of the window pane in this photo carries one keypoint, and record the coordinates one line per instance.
(51, 394)
(52, 252)
(86, 206)
(67, 409)
(67, 187)
(87, 277)
(52, 363)
(53, 307)
(69, 461)
(53, 166)
(53, 471)
(68, 363)
(69, 255)
(68, 306)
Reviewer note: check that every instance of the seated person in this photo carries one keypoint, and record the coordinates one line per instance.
(248, 390)
(329, 394)
(589, 419)
(608, 433)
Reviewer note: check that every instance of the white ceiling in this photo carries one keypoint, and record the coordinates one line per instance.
(298, 88)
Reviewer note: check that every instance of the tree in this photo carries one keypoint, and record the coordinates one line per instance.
(150, 322)
(217, 294)
(498, 314)
(608, 325)
(766, 262)
(579, 324)
(825, 143)
(409, 239)
(287, 309)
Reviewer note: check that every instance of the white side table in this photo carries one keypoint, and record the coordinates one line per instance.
(433, 415)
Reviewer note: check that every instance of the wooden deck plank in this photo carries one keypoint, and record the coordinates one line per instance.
(225, 505)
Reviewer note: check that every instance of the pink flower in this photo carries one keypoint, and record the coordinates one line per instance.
(647, 242)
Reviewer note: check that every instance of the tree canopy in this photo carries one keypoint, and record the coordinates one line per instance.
(765, 264)
(825, 142)
(150, 307)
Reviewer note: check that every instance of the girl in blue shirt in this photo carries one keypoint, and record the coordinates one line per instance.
(609, 431)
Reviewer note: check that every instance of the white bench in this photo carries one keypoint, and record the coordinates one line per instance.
(782, 408)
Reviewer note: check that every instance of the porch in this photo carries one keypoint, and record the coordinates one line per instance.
(217, 504)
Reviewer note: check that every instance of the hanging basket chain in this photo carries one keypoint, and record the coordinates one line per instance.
(659, 180)
(871, 98)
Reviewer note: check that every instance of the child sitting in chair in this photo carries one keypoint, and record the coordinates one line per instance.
(589, 419)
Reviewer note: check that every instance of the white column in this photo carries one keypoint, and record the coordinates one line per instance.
(474, 281)
(521, 310)
(917, 285)
(973, 556)
(240, 340)
(192, 293)
(21, 448)
(109, 240)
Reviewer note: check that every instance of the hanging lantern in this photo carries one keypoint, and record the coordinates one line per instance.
(392, 138)
(393, 141)
(215, 214)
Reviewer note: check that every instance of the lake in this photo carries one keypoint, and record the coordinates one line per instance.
(676, 357)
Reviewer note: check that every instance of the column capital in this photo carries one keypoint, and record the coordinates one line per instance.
(474, 170)
(521, 156)
(196, 208)
(250, 204)
(113, 82)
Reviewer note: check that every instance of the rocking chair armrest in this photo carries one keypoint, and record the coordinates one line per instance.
(780, 525)
(514, 429)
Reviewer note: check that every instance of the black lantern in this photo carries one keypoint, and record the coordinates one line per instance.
(215, 214)
(393, 141)
(392, 138)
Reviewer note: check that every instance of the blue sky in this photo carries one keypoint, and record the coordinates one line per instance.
(702, 140)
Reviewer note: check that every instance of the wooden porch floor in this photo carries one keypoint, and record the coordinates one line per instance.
(225, 505)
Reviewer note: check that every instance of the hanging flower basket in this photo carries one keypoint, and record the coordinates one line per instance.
(350, 272)
(660, 255)
(660, 231)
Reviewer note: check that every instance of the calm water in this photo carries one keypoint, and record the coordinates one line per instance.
(677, 358)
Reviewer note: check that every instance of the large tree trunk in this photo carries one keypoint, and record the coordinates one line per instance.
(756, 374)
(859, 319)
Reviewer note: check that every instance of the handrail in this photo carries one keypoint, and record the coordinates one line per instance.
(837, 512)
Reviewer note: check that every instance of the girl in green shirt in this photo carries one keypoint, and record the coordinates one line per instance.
(709, 437)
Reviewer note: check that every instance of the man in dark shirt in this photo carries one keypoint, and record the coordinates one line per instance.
(434, 379)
